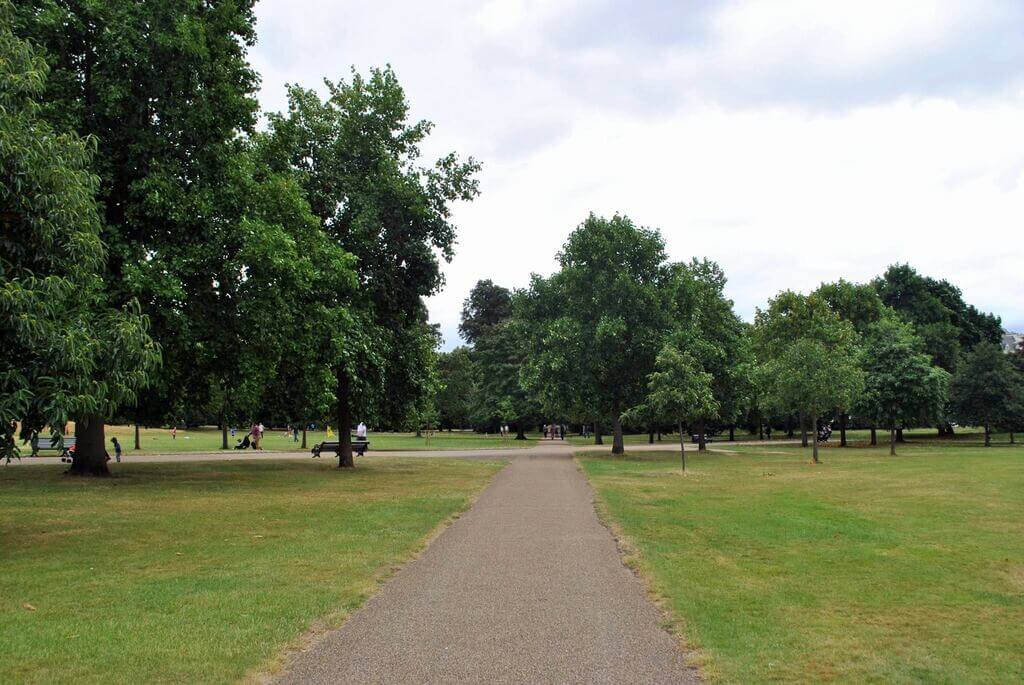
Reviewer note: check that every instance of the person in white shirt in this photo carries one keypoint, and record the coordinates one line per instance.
(361, 431)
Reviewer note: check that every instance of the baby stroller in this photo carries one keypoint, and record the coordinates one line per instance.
(243, 444)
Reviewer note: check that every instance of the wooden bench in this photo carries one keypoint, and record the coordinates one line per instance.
(358, 447)
(40, 444)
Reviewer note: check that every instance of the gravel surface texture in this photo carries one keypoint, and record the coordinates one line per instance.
(526, 587)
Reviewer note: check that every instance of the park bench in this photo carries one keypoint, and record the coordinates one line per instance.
(358, 447)
(40, 444)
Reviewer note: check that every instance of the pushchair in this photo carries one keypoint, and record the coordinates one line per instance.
(243, 444)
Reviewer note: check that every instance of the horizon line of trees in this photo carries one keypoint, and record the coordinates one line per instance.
(620, 337)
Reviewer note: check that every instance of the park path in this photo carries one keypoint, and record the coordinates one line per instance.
(527, 586)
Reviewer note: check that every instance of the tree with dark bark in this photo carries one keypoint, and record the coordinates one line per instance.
(984, 389)
(357, 156)
(164, 89)
(595, 326)
(67, 352)
(812, 357)
(901, 385)
(487, 306)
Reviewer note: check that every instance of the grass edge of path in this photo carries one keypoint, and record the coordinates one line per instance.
(632, 558)
(337, 618)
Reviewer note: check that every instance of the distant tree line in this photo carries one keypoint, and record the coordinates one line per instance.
(164, 259)
(620, 337)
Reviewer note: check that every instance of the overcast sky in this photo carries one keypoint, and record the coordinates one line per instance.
(792, 141)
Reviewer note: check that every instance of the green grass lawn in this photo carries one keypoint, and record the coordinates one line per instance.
(208, 439)
(865, 568)
(202, 572)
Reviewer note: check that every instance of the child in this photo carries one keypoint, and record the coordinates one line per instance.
(117, 449)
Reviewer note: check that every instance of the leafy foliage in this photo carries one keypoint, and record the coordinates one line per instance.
(66, 351)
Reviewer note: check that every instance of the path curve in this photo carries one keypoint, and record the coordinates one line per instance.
(527, 586)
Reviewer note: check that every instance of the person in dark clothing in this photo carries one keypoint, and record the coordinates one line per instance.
(117, 449)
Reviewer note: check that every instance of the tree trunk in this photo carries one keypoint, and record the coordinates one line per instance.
(682, 446)
(814, 437)
(520, 434)
(304, 436)
(789, 428)
(1012, 441)
(842, 430)
(223, 432)
(345, 459)
(899, 435)
(892, 441)
(90, 456)
(874, 437)
(597, 434)
(138, 445)
(618, 444)
(988, 437)
(659, 435)
(803, 431)
(701, 443)
(650, 437)
(760, 429)
(732, 433)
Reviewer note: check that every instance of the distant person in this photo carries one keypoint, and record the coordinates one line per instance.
(232, 431)
(174, 433)
(117, 449)
(295, 433)
(260, 429)
(361, 431)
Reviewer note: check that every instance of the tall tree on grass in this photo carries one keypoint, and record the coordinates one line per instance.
(680, 391)
(356, 155)
(862, 307)
(67, 353)
(165, 89)
(901, 385)
(487, 306)
(597, 324)
(811, 356)
(984, 389)
(456, 375)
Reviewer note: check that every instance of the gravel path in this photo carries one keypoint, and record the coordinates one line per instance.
(527, 586)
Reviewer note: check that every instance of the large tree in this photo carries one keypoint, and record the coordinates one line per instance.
(487, 306)
(901, 385)
(811, 356)
(66, 351)
(456, 374)
(862, 307)
(356, 155)
(946, 323)
(164, 88)
(984, 389)
(599, 322)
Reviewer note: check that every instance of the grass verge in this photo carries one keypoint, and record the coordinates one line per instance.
(865, 568)
(202, 572)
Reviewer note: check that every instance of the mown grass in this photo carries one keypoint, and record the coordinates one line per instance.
(202, 572)
(865, 568)
(208, 439)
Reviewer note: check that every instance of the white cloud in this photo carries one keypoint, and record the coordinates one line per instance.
(782, 191)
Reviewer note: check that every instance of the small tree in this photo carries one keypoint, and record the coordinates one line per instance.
(901, 385)
(680, 391)
(984, 388)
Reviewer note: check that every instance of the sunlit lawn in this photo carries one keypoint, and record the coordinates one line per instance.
(866, 568)
(208, 439)
(202, 572)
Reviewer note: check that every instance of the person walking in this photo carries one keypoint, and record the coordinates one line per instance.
(361, 432)
(260, 429)
(174, 433)
(117, 449)
(295, 433)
